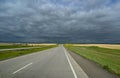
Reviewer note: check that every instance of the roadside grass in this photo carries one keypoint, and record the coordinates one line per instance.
(14, 46)
(109, 59)
(14, 53)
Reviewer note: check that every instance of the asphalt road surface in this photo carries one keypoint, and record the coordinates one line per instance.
(51, 63)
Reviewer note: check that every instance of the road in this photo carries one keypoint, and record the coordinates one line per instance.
(18, 48)
(52, 63)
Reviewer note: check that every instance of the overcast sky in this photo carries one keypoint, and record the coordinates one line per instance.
(78, 21)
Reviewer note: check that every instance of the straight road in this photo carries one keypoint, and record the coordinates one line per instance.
(52, 63)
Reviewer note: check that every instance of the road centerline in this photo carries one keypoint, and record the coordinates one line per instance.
(22, 68)
(74, 73)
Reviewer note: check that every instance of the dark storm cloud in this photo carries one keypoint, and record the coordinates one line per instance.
(60, 21)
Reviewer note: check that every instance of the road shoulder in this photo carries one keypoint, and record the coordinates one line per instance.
(92, 69)
(77, 69)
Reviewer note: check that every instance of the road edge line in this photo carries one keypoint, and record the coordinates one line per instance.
(74, 73)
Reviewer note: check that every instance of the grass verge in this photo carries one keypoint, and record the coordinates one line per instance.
(109, 59)
(14, 46)
(14, 53)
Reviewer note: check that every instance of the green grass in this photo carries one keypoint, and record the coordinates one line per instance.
(13, 46)
(108, 58)
(14, 53)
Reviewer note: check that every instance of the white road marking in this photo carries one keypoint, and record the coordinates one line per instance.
(70, 64)
(22, 68)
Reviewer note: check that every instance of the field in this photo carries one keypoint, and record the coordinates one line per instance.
(109, 59)
(8, 46)
(22, 45)
(14, 53)
(111, 46)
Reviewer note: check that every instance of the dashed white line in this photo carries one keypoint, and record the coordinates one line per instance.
(70, 64)
(22, 68)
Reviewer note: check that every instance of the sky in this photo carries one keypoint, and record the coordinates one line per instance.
(60, 21)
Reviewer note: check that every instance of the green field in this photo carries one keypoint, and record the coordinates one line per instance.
(14, 53)
(108, 58)
(8, 46)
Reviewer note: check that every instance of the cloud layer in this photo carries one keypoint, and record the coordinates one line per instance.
(78, 21)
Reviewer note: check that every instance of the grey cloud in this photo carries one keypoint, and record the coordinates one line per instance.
(77, 21)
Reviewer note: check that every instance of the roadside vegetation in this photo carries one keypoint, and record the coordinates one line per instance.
(14, 53)
(9, 46)
(109, 59)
